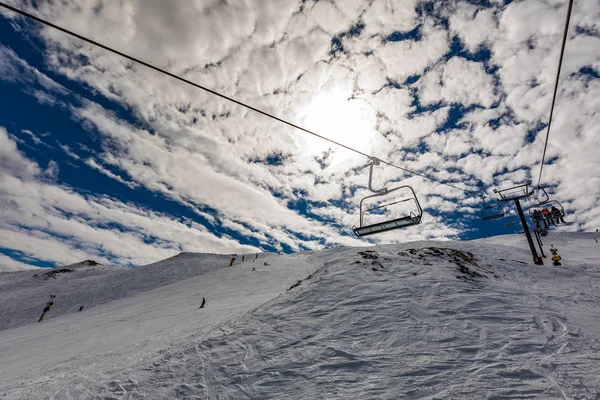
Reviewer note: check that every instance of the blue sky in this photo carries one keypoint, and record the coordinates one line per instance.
(104, 159)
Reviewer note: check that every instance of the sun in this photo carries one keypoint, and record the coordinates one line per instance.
(350, 122)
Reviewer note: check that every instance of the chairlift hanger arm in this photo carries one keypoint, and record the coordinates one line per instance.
(374, 161)
(545, 195)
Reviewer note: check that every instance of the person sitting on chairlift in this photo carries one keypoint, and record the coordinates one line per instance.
(558, 215)
(547, 214)
(537, 217)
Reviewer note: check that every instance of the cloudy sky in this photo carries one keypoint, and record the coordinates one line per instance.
(105, 159)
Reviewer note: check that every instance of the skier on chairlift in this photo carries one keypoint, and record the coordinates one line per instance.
(547, 214)
(537, 217)
(556, 213)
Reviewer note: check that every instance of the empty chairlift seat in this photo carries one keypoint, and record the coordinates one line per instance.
(491, 211)
(411, 218)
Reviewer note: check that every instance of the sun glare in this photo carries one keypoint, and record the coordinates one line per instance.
(349, 122)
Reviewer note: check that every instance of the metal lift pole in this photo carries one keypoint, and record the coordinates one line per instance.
(539, 240)
(536, 259)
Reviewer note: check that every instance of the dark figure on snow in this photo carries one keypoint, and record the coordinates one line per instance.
(48, 305)
(80, 308)
(231, 261)
(556, 213)
(243, 258)
(46, 309)
(555, 257)
(203, 301)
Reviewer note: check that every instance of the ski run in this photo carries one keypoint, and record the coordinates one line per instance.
(420, 320)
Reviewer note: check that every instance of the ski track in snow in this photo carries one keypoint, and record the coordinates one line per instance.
(423, 320)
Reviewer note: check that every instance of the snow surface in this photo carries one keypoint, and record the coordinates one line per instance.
(423, 320)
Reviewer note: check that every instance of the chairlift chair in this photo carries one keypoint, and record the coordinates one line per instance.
(545, 202)
(491, 211)
(548, 204)
(414, 218)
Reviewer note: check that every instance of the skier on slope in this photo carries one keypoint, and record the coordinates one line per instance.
(47, 308)
(555, 257)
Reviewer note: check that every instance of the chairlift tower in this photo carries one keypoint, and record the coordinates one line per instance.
(516, 193)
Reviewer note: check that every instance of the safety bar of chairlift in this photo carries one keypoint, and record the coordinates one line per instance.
(417, 216)
(387, 205)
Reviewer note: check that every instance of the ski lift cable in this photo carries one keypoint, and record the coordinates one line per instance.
(172, 75)
(562, 52)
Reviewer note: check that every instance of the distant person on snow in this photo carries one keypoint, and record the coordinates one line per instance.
(47, 308)
(555, 257)
(243, 258)
(203, 302)
(558, 215)
(231, 261)
(80, 308)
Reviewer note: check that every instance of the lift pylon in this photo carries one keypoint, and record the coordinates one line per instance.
(516, 193)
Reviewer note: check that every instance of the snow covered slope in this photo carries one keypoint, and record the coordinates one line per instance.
(427, 320)
(24, 294)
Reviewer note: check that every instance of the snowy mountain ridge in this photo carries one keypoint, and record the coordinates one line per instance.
(426, 320)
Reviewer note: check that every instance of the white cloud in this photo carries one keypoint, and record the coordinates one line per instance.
(205, 151)
(383, 17)
(458, 81)
(12, 162)
(7, 264)
(56, 224)
(409, 57)
(473, 25)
